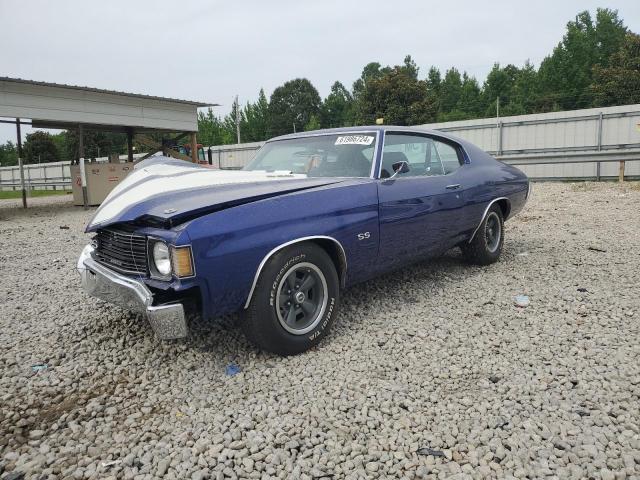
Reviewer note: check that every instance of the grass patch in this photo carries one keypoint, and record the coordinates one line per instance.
(32, 193)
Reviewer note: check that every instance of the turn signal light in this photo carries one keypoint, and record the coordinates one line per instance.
(182, 262)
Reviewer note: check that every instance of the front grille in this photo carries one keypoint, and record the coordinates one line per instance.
(122, 251)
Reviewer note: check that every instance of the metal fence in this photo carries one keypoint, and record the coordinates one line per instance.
(39, 176)
(590, 144)
(546, 146)
(45, 176)
(610, 128)
(595, 166)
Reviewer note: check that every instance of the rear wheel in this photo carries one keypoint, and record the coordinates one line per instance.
(294, 302)
(486, 246)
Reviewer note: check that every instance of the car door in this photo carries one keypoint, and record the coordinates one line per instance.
(420, 211)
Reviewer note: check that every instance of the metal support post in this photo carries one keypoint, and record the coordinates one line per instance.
(22, 186)
(600, 131)
(130, 144)
(83, 173)
(20, 164)
(194, 148)
(599, 143)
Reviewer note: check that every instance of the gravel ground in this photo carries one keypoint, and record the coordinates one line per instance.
(430, 372)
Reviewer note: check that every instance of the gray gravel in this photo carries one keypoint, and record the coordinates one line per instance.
(430, 372)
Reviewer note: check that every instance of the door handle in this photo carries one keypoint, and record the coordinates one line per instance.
(455, 186)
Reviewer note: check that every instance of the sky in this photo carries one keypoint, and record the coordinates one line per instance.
(210, 50)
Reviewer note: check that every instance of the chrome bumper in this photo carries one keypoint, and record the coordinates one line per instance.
(168, 321)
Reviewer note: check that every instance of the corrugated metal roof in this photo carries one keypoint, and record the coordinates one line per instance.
(111, 92)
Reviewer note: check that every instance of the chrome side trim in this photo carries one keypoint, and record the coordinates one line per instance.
(372, 174)
(283, 245)
(429, 134)
(321, 134)
(484, 215)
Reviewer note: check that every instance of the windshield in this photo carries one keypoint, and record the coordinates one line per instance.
(338, 155)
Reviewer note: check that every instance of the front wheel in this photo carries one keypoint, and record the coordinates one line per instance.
(486, 246)
(294, 302)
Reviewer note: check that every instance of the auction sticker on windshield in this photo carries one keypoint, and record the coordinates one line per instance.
(354, 140)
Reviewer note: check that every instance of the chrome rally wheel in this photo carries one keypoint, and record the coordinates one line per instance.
(295, 300)
(301, 299)
(486, 245)
(493, 231)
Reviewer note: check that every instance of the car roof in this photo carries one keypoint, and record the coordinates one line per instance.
(366, 128)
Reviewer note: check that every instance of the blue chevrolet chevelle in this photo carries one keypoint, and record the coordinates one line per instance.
(313, 213)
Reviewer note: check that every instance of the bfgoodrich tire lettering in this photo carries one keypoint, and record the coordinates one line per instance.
(294, 302)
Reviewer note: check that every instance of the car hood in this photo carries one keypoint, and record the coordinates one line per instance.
(165, 192)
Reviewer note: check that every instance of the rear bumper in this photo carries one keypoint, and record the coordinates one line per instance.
(168, 321)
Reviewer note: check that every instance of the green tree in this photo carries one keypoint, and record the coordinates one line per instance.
(468, 94)
(255, 124)
(450, 90)
(292, 105)
(398, 97)
(60, 140)
(313, 124)
(371, 71)
(410, 67)
(212, 131)
(337, 109)
(565, 75)
(8, 154)
(229, 124)
(434, 80)
(619, 83)
(39, 147)
(524, 92)
(500, 83)
(96, 144)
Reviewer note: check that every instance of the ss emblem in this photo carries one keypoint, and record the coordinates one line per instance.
(363, 236)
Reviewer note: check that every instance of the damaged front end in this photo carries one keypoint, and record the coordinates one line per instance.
(141, 256)
(167, 320)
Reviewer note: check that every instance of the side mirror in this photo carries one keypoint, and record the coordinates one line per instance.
(400, 167)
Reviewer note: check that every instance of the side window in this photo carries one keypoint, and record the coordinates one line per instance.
(448, 156)
(425, 156)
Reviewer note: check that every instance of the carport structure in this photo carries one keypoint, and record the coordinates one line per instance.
(70, 107)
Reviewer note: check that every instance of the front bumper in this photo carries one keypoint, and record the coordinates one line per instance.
(168, 321)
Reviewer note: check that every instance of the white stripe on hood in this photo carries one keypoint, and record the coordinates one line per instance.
(147, 181)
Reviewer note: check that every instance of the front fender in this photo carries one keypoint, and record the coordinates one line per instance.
(229, 246)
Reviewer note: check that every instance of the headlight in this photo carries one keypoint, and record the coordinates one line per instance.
(161, 258)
